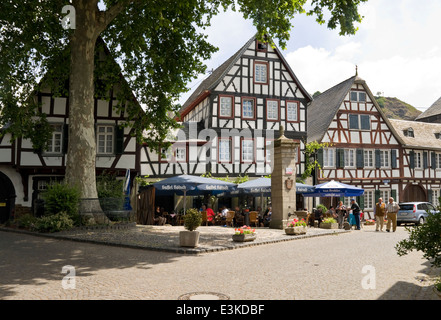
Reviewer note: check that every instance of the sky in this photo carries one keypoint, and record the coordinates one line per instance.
(397, 50)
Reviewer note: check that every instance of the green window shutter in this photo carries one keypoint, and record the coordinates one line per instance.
(393, 159)
(360, 159)
(119, 141)
(65, 137)
(340, 158)
(430, 195)
(320, 157)
(360, 201)
(393, 194)
(433, 160)
(425, 160)
(377, 159)
(412, 159)
(377, 195)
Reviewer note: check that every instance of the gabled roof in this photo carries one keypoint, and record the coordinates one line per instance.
(218, 74)
(433, 110)
(324, 108)
(425, 134)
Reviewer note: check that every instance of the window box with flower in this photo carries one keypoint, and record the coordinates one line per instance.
(244, 234)
(296, 227)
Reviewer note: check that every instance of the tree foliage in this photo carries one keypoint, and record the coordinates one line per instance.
(159, 45)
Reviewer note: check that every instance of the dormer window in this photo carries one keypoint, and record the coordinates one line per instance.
(409, 133)
(438, 135)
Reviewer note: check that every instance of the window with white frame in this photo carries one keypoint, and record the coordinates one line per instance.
(359, 121)
(292, 111)
(224, 150)
(435, 197)
(385, 195)
(248, 108)
(167, 154)
(349, 158)
(438, 160)
(105, 139)
(369, 198)
(55, 142)
(328, 157)
(260, 72)
(368, 158)
(272, 110)
(268, 147)
(181, 153)
(247, 150)
(418, 160)
(358, 96)
(385, 158)
(226, 107)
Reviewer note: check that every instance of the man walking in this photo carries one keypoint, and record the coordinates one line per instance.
(356, 212)
(380, 210)
(392, 211)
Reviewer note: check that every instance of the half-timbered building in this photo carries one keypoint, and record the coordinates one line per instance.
(420, 170)
(26, 172)
(231, 119)
(363, 147)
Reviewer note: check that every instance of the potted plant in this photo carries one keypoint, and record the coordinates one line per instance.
(369, 222)
(296, 227)
(190, 237)
(329, 223)
(244, 234)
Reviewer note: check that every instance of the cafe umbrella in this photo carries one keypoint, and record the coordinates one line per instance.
(262, 187)
(334, 189)
(191, 185)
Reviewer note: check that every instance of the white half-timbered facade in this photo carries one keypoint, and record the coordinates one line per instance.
(363, 150)
(420, 172)
(232, 118)
(29, 170)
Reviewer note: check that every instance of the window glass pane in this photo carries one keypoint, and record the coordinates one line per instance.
(291, 111)
(247, 150)
(248, 108)
(224, 150)
(354, 96)
(260, 72)
(353, 121)
(225, 106)
(365, 121)
(272, 110)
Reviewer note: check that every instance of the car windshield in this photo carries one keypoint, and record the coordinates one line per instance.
(406, 206)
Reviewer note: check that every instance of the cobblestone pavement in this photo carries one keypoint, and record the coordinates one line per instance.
(360, 265)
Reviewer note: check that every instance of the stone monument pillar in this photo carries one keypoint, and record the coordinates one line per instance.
(283, 181)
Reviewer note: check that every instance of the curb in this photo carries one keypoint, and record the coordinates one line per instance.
(178, 249)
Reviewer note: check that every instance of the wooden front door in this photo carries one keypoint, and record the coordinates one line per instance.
(414, 192)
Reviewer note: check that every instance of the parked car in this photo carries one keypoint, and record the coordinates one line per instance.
(414, 212)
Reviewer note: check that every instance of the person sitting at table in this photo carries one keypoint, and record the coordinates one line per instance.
(331, 212)
(318, 215)
(239, 218)
(210, 213)
(159, 219)
(267, 217)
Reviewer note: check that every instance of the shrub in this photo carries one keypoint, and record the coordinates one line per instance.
(192, 219)
(60, 197)
(329, 220)
(25, 221)
(425, 238)
(54, 223)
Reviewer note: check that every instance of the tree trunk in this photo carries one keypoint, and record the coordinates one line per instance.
(81, 154)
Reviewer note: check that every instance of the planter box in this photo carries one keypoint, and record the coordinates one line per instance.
(189, 238)
(295, 230)
(329, 225)
(244, 237)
